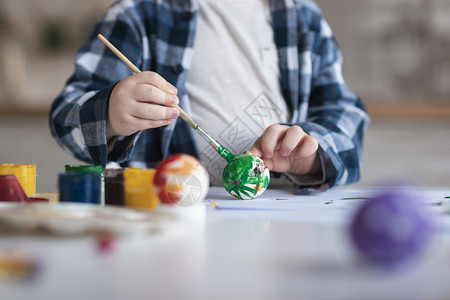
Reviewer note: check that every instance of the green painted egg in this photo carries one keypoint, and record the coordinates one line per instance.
(246, 177)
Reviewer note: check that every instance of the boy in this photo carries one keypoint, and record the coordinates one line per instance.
(258, 75)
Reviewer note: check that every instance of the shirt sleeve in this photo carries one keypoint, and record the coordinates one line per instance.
(78, 114)
(336, 116)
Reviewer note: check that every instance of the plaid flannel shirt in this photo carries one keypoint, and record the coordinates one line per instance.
(158, 36)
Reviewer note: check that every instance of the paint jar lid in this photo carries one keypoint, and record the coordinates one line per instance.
(113, 173)
(23, 170)
(84, 169)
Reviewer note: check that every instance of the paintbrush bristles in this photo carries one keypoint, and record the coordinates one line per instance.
(135, 69)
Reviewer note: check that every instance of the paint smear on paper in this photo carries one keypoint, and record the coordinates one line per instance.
(354, 198)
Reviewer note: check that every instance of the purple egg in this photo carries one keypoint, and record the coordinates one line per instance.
(391, 228)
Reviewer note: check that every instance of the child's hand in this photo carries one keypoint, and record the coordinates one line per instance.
(141, 101)
(288, 149)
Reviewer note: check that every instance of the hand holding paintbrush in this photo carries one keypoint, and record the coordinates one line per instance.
(165, 86)
(138, 102)
(245, 176)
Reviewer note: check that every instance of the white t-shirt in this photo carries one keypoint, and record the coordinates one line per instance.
(233, 82)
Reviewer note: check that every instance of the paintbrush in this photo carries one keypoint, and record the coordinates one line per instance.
(223, 152)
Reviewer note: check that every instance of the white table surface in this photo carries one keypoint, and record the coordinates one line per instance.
(258, 249)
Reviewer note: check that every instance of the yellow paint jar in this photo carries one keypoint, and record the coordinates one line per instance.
(25, 173)
(5, 169)
(139, 189)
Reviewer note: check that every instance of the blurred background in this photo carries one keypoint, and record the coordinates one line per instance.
(397, 58)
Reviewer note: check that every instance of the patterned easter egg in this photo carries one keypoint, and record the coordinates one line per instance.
(182, 180)
(246, 177)
(391, 228)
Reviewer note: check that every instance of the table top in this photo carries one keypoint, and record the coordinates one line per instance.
(279, 246)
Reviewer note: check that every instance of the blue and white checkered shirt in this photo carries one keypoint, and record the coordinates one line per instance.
(158, 36)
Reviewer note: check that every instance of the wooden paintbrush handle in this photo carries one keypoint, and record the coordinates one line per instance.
(187, 118)
(119, 54)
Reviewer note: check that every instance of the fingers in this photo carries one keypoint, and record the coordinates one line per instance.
(152, 94)
(151, 87)
(256, 148)
(308, 147)
(154, 112)
(141, 101)
(293, 138)
(297, 143)
(154, 79)
(287, 149)
(285, 141)
(269, 140)
(144, 123)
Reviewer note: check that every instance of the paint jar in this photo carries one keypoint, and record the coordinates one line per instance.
(139, 189)
(11, 190)
(25, 174)
(114, 187)
(90, 169)
(79, 187)
(5, 169)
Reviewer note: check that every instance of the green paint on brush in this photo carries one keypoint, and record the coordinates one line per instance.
(245, 177)
(225, 153)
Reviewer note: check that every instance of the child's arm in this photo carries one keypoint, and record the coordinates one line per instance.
(327, 136)
(82, 117)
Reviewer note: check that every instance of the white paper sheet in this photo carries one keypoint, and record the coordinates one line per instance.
(333, 207)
